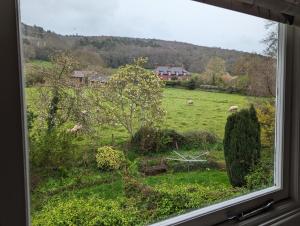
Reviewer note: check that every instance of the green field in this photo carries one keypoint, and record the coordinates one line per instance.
(208, 112)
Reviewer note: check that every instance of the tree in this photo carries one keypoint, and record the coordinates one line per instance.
(271, 41)
(60, 99)
(241, 145)
(262, 76)
(215, 69)
(260, 72)
(131, 98)
(57, 104)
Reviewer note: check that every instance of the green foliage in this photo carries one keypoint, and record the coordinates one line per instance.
(52, 149)
(60, 101)
(262, 175)
(85, 195)
(118, 51)
(109, 159)
(191, 84)
(199, 138)
(266, 116)
(30, 119)
(242, 145)
(90, 211)
(215, 69)
(173, 83)
(131, 98)
(147, 140)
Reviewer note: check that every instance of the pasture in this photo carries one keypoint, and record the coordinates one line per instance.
(208, 112)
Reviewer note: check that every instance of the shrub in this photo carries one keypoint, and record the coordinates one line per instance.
(191, 84)
(147, 140)
(52, 150)
(261, 176)
(241, 145)
(169, 138)
(108, 158)
(198, 138)
(266, 116)
(90, 211)
(179, 198)
(173, 83)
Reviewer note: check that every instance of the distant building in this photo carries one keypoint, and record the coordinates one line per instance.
(88, 77)
(98, 79)
(170, 73)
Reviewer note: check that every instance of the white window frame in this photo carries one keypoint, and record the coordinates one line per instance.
(14, 195)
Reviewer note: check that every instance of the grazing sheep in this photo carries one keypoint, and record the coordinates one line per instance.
(233, 109)
(75, 129)
(190, 102)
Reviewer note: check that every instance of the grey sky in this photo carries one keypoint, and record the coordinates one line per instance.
(180, 20)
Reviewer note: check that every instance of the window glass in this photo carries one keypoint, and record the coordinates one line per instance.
(136, 115)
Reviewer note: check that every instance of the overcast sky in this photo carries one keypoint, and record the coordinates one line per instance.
(180, 20)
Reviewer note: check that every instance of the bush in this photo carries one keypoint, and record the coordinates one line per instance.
(241, 145)
(266, 116)
(168, 200)
(261, 176)
(108, 158)
(173, 83)
(147, 140)
(199, 138)
(52, 150)
(169, 138)
(90, 211)
(191, 84)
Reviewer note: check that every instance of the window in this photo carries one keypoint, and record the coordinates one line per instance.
(277, 193)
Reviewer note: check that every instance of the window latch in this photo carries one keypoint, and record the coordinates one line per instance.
(253, 212)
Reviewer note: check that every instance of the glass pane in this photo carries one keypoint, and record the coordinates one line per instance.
(141, 110)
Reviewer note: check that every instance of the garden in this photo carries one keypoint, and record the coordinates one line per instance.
(133, 151)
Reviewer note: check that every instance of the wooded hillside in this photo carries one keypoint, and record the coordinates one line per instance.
(116, 51)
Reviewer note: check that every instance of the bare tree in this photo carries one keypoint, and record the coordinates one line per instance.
(271, 41)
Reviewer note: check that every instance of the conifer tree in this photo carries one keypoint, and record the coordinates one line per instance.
(242, 145)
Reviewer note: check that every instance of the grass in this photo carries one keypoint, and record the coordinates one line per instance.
(41, 63)
(76, 184)
(205, 178)
(208, 113)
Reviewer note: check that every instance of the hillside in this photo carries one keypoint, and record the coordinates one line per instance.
(116, 51)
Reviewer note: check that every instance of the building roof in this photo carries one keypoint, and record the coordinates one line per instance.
(98, 78)
(173, 70)
(83, 74)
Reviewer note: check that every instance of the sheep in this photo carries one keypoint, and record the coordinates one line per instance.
(75, 129)
(233, 109)
(190, 102)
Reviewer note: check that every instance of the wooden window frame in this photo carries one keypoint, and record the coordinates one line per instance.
(14, 192)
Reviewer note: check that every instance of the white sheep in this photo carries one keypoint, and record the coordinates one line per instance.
(75, 129)
(190, 102)
(233, 109)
